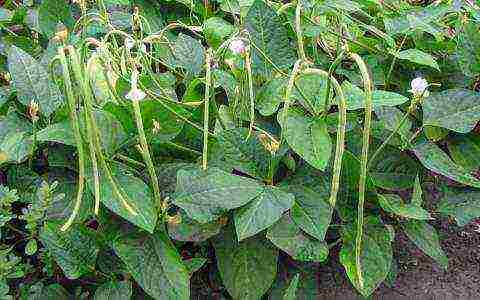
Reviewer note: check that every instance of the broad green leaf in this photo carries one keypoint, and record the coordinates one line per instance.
(207, 194)
(262, 212)
(434, 159)
(290, 293)
(395, 205)
(308, 137)
(111, 131)
(189, 53)
(15, 143)
(390, 118)
(150, 10)
(425, 237)
(465, 151)
(462, 205)
(155, 265)
(270, 96)
(418, 57)
(434, 133)
(33, 82)
(234, 151)
(311, 211)
(393, 170)
(74, 250)
(139, 196)
(52, 291)
(247, 268)
(288, 237)
(189, 230)
(454, 109)
(236, 6)
(52, 12)
(310, 90)
(216, 30)
(118, 290)
(469, 49)
(376, 254)
(269, 38)
(355, 97)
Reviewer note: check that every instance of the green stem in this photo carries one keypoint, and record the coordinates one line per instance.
(368, 87)
(78, 138)
(298, 30)
(387, 140)
(206, 106)
(145, 151)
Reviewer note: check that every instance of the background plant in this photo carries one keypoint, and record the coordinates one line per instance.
(173, 149)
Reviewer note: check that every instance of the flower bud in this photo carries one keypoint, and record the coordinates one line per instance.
(32, 110)
(135, 93)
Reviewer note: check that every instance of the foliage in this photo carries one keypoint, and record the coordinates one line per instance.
(147, 146)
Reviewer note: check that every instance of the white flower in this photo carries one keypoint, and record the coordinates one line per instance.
(135, 93)
(237, 46)
(419, 87)
(129, 43)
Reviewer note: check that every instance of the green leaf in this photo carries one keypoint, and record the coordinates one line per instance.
(290, 293)
(425, 237)
(355, 97)
(31, 247)
(139, 196)
(216, 30)
(417, 192)
(207, 194)
(189, 230)
(111, 131)
(434, 159)
(150, 10)
(247, 268)
(270, 96)
(234, 151)
(393, 170)
(465, 151)
(287, 236)
(194, 264)
(155, 265)
(434, 133)
(33, 82)
(118, 290)
(311, 211)
(52, 12)
(310, 90)
(262, 212)
(469, 50)
(270, 39)
(308, 137)
(390, 118)
(462, 205)
(376, 254)
(454, 109)
(52, 291)
(418, 57)
(189, 53)
(75, 250)
(395, 205)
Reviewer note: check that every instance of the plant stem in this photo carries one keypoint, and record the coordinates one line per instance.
(78, 138)
(206, 106)
(145, 151)
(298, 30)
(368, 87)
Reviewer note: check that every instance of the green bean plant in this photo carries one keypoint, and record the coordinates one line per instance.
(228, 149)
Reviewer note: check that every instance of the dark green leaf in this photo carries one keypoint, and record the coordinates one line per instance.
(118, 290)
(469, 50)
(189, 53)
(75, 250)
(455, 109)
(216, 30)
(155, 265)
(207, 194)
(425, 237)
(290, 293)
(395, 205)
(418, 57)
(52, 12)
(189, 230)
(462, 205)
(287, 236)
(262, 212)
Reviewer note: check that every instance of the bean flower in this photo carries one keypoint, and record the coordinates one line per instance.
(135, 93)
(419, 87)
(237, 46)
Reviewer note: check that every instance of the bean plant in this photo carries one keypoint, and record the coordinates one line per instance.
(218, 149)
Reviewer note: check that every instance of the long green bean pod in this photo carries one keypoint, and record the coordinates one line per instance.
(78, 138)
(368, 87)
